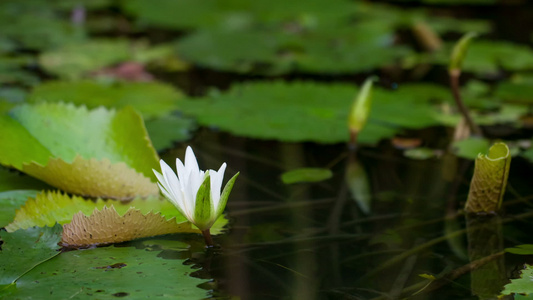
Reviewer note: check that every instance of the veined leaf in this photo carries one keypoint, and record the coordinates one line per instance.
(109, 273)
(94, 178)
(151, 99)
(307, 111)
(106, 226)
(10, 201)
(74, 136)
(24, 249)
(50, 207)
(521, 285)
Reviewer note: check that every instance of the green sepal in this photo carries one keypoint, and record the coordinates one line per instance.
(459, 52)
(204, 205)
(225, 195)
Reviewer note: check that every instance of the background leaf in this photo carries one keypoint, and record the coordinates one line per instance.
(10, 201)
(42, 131)
(151, 99)
(108, 273)
(24, 249)
(106, 226)
(50, 207)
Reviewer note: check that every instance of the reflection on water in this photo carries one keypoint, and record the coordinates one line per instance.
(315, 241)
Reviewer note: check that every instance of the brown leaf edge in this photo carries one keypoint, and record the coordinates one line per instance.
(106, 226)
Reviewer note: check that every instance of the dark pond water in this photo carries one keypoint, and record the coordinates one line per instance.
(313, 240)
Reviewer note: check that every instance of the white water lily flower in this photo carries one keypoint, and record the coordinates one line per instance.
(195, 193)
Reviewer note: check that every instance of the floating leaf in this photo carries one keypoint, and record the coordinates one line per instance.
(36, 26)
(305, 111)
(24, 249)
(106, 226)
(166, 245)
(521, 92)
(471, 147)
(521, 285)
(489, 180)
(109, 273)
(151, 99)
(162, 137)
(50, 207)
(94, 178)
(10, 201)
(306, 175)
(14, 180)
(73, 137)
(526, 249)
(74, 60)
(488, 57)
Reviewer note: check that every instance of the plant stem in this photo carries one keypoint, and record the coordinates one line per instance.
(454, 84)
(207, 237)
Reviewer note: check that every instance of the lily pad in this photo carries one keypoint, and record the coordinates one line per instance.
(109, 273)
(151, 99)
(306, 111)
(10, 201)
(106, 226)
(162, 138)
(24, 249)
(306, 175)
(14, 180)
(354, 49)
(48, 208)
(526, 249)
(36, 25)
(74, 60)
(521, 285)
(76, 137)
(489, 57)
(471, 147)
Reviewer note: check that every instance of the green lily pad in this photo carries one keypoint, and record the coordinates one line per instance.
(488, 57)
(306, 111)
(151, 99)
(306, 175)
(521, 285)
(526, 249)
(10, 202)
(74, 60)
(24, 249)
(36, 25)
(108, 273)
(98, 153)
(162, 138)
(471, 147)
(49, 208)
(355, 49)
(13, 71)
(515, 91)
(14, 180)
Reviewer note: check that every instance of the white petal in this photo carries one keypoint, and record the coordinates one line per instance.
(216, 184)
(190, 161)
(173, 184)
(180, 168)
(161, 180)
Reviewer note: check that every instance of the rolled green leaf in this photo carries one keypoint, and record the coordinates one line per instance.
(361, 107)
(459, 52)
(489, 180)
